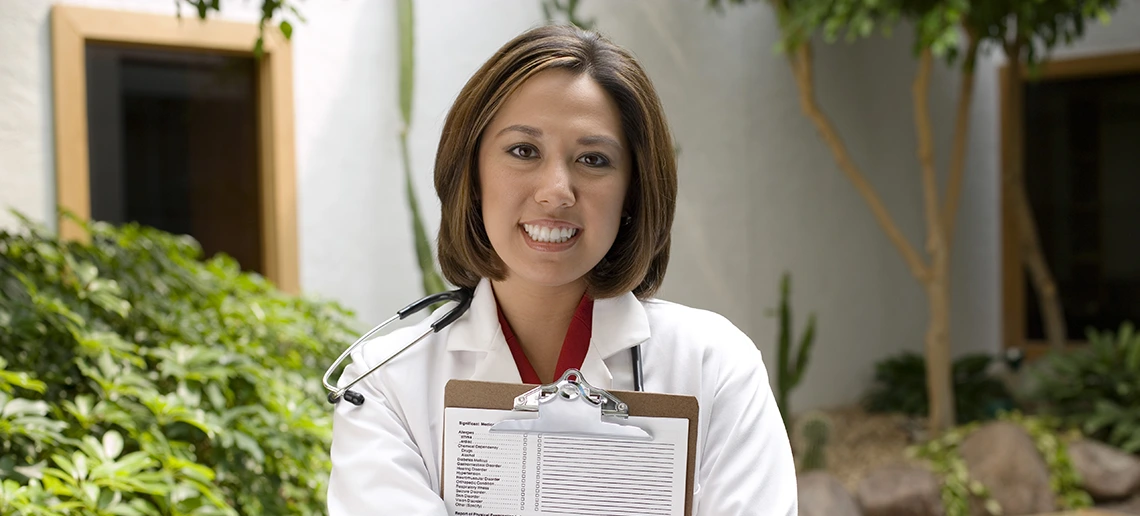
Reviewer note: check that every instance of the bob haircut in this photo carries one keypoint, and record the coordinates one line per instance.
(637, 260)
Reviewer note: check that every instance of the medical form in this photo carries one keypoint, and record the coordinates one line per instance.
(528, 474)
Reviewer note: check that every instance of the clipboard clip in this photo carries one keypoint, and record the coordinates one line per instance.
(560, 412)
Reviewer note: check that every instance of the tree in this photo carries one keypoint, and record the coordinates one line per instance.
(952, 30)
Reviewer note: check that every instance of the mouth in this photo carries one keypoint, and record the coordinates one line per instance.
(549, 235)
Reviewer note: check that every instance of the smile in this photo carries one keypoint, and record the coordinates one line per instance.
(549, 235)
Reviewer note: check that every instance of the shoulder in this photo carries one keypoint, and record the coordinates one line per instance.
(704, 332)
(391, 345)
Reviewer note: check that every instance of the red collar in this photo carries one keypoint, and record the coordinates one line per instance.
(574, 346)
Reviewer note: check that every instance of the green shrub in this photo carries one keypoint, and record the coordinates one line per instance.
(900, 386)
(959, 490)
(136, 378)
(1097, 388)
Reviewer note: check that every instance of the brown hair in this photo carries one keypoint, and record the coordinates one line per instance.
(637, 260)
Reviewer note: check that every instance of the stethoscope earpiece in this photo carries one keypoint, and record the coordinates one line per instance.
(354, 398)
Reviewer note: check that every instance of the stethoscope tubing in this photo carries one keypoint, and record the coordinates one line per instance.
(463, 299)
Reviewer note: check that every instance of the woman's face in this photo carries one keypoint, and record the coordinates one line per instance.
(554, 168)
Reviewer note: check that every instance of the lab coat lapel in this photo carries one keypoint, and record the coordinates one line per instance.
(595, 370)
(618, 324)
(478, 331)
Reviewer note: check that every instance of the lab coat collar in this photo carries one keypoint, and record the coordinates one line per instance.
(618, 324)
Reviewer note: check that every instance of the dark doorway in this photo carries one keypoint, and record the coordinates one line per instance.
(173, 142)
(1082, 170)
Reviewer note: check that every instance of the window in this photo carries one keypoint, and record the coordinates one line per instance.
(1080, 124)
(176, 124)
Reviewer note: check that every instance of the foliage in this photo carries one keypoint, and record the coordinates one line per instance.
(1063, 477)
(1097, 388)
(817, 433)
(138, 379)
(958, 489)
(939, 25)
(790, 371)
(900, 386)
(270, 9)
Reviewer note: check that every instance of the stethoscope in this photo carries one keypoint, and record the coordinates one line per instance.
(462, 297)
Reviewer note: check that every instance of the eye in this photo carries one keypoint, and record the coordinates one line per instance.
(594, 160)
(523, 151)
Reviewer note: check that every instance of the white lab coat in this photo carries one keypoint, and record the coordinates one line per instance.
(386, 452)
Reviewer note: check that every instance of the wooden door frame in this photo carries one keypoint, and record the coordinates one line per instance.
(1013, 282)
(72, 27)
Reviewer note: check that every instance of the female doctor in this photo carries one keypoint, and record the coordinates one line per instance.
(556, 175)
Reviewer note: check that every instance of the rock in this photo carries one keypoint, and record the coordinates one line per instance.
(900, 490)
(1107, 473)
(821, 494)
(1003, 457)
(1130, 507)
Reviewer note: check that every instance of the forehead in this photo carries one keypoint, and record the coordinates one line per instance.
(560, 99)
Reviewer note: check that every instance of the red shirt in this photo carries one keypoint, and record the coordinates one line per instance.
(574, 346)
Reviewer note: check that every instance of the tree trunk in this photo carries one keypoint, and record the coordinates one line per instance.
(938, 361)
(1032, 256)
(939, 386)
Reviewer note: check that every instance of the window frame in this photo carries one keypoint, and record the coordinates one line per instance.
(73, 27)
(1012, 116)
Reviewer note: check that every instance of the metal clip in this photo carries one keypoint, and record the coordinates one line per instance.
(572, 385)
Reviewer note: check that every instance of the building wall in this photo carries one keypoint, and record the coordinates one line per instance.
(760, 193)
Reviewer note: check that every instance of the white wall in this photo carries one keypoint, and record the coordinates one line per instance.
(760, 194)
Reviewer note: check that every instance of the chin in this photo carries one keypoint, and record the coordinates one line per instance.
(549, 279)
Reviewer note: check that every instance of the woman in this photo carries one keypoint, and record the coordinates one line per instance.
(557, 180)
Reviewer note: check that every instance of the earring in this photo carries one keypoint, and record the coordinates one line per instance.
(626, 220)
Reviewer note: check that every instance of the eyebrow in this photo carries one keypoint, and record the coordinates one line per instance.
(535, 132)
(525, 129)
(599, 140)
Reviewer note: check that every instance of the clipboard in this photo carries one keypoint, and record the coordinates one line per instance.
(601, 417)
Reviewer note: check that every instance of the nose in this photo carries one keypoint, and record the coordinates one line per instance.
(555, 188)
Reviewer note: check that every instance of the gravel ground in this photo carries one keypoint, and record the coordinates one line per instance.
(861, 442)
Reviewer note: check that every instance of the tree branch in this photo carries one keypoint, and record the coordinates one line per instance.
(801, 63)
(921, 92)
(961, 133)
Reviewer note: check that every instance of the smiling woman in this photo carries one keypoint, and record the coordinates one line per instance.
(557, 182)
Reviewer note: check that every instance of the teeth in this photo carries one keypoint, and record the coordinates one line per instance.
(549, 235)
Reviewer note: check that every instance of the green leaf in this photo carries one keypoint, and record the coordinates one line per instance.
(112, 444)
(286, 29)
(15, 408)
(9, 379)
(405, 32)
(1132, 445)
(247, 444)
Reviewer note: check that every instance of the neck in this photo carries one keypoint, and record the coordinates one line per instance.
(540, 318)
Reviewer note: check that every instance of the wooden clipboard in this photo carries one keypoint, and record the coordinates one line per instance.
(501, 396)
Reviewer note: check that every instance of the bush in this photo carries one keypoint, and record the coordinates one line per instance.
(1097, 388)
(136, 378)
(900, 386)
